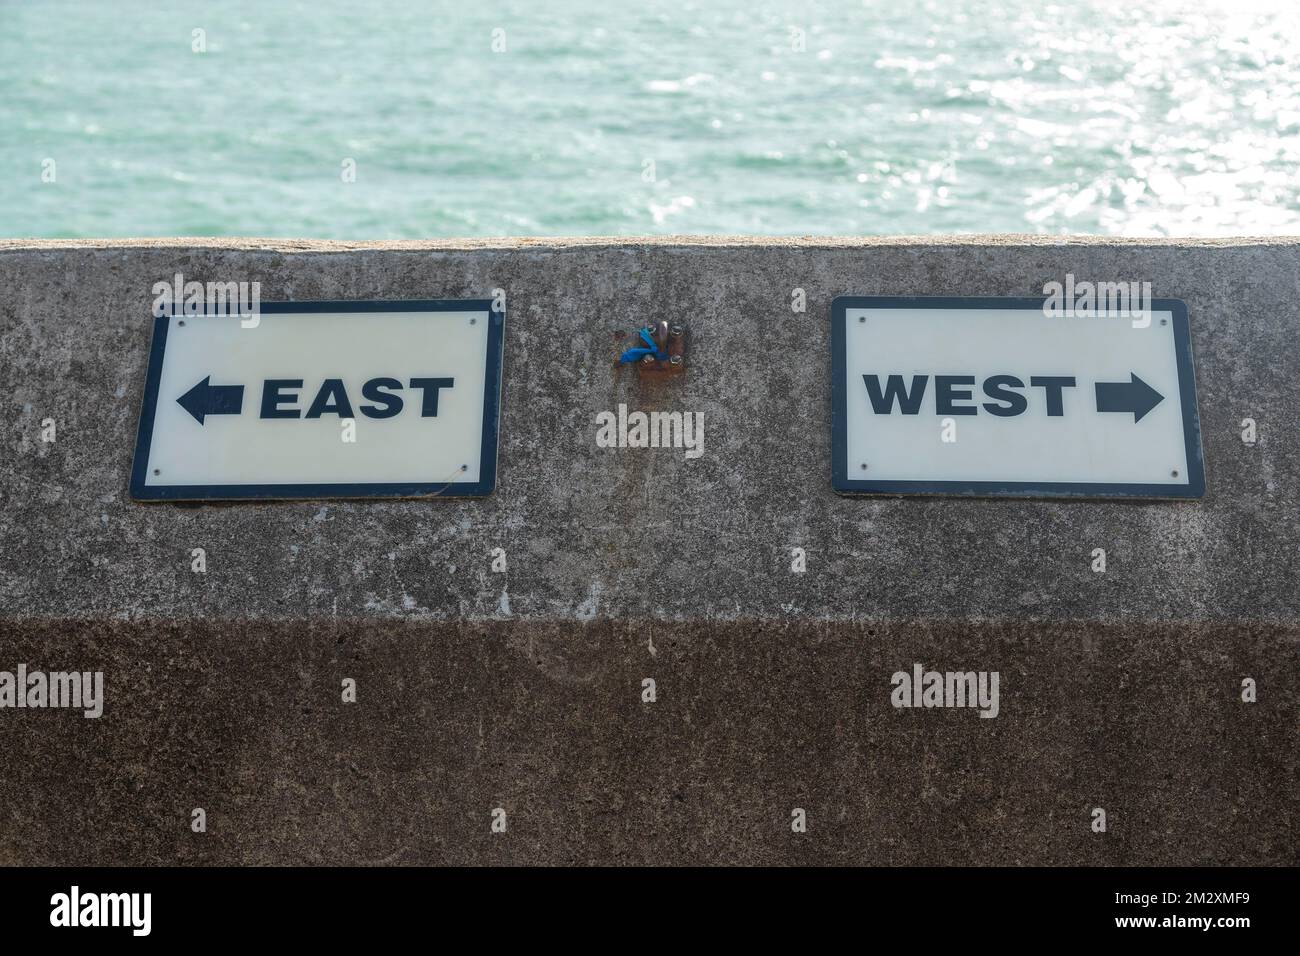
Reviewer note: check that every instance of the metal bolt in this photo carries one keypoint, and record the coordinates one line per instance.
(864, 466)
(862, 318)
(181, 322)
(1174, 473)
(675, 331)
(675, 360)
(647, 360)
(157, 471)
(473, 321)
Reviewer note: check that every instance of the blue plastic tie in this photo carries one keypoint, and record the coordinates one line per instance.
(636, 353)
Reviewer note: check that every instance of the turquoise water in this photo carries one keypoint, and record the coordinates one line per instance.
(625, 118)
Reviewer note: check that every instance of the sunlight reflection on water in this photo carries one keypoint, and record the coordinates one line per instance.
(1137, 119)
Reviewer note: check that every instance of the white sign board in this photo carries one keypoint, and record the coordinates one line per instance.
(994, 396)
(322, 400)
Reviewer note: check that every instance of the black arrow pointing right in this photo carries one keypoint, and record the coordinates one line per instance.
(1134, 396)
(204, 399)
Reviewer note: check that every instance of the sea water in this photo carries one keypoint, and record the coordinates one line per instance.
(415, 118)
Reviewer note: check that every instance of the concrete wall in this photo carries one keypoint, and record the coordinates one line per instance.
(480, 690)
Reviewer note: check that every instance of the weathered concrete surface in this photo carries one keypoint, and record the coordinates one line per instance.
(522, 690)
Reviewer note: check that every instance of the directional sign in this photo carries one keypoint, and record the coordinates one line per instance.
(322, 400)
(997, 396)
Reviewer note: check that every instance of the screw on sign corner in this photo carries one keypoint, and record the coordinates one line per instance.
(661, 349)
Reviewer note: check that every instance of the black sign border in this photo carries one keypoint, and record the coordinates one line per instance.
(140, 491)
(842, 484)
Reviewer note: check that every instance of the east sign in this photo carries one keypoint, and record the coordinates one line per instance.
(322, 400)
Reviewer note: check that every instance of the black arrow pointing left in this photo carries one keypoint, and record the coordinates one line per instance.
(205, 399)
